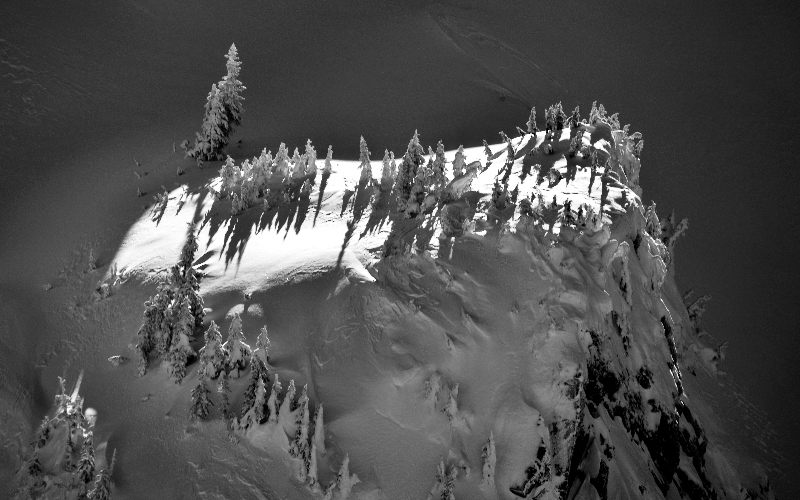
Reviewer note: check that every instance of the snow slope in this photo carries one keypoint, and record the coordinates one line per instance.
(566, 342)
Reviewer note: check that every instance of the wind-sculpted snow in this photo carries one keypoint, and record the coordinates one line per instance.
(507, 330)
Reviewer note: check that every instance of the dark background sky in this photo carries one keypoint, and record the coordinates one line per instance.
(87, 86)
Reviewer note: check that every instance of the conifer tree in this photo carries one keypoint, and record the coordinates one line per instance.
(286, 406)
(201, 404)
(489, 461)
(35, 480)
(258, 373)
(213, 356)
(437, 168)
(230, 89)
(180, 350)
(42, 434)
(86, 463)
(298, 167)
(312, 466)
(408, 175)
(344, 481)
(260, 402)
(102, 485)
(227, 174)
(34, 468)
(223, 388)
(327, 169)
(460, 162)
(366, 168)
(208, 143)
(272, 402)
(652, 223)
(311, 159)
(387, 175)
(575, 117)
(238, 351)
(262, 346)
(532, 122)
(223, 114)
(319, 431)
(300, 444)
(262, 172)
(452, 406)
(282, 162)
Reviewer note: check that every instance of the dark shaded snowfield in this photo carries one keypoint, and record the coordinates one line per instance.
(86, 87)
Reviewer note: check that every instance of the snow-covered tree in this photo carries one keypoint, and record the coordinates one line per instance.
(452, 406)
(223, 388)
(180, 350)
(286, 406)
(282, 162)
(210, 142)
(670, 231)
(344, 481)
(311, 465)
(407, 175)
(213, 355)
(366, 168)
(460, 162)
(201, 404)
(103, 483)
(298, 167)
(489, 461)
(230, 89)
(262, 346)
(300, 445)
(389, 171)
(258, 370)
(439, 179)
(319, 431)
(327, 168)
(445, 483)
(696, 310)
(155, 332)
(532, 122)
(652, 223)
(238, 352)
(42, 434)
(273, 401)
(575, 118)
(248, 193)
(86, 462)
(262, 172)
(223, 114)
(311, 159)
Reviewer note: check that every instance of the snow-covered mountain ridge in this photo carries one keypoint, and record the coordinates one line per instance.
(510, 330)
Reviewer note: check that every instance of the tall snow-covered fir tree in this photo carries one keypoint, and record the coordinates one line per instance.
(273, 401)
(223, 113)
(201, 404)
(366, 168)
(172, 315)
(180, 350)
(258, 370)
(238, 352)
(102, 485)
(213, 355)
(406, 176)
(230, 89)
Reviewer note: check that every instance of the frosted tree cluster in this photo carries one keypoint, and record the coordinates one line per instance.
(62, 460)
(173, 314)
(280, 179)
